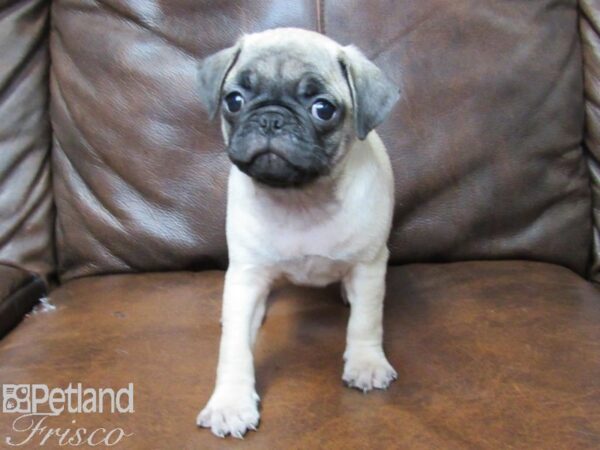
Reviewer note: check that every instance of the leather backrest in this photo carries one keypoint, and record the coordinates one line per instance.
(485, 142)
(486, 145)
(26, 207)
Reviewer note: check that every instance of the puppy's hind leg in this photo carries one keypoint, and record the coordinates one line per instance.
(366, 366)
(233, 406)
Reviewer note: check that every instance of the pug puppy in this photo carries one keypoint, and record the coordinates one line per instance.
(310, 198)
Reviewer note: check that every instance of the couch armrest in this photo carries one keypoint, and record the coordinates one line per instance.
(19, 291)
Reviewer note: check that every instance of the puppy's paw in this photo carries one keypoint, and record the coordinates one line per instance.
(230, 411)
(367, 371)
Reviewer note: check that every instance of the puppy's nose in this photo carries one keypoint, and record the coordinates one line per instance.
(270, 121)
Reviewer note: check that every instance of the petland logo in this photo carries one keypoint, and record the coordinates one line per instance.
(36, 403)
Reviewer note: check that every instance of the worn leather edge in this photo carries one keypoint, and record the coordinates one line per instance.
(20, 302)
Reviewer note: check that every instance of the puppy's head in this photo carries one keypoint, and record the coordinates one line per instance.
(291, 101)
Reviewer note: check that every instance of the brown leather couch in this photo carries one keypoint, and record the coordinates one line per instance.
(112, 192)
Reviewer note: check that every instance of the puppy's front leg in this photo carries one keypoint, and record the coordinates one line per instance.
(233, 406)
(366, 366)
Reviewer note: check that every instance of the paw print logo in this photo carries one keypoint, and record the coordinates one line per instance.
(16, 398)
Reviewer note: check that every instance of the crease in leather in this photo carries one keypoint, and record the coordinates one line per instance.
(87, 222)
(120, 13)
(590, 35)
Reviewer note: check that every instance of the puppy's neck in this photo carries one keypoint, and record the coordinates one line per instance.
(319, 195)
(322, 197)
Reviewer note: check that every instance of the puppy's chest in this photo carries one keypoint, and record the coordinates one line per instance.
(312, 255)
(316, 256)
(314, 245)
(313, 270)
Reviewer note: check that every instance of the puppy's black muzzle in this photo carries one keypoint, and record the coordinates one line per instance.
(273, 145)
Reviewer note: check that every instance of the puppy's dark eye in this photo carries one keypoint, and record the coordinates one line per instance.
(234, 101)
(322, 110)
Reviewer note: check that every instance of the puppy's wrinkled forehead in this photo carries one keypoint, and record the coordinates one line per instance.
(269, 62)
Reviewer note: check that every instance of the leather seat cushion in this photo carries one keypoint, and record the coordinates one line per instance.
(489, 355)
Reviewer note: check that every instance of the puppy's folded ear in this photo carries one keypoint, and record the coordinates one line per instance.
(211, 76)
(373, 94)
